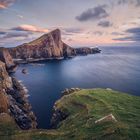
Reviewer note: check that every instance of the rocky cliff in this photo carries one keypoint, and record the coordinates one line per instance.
(7, 59)
(86, 51)
(13, 100)
(47, 46)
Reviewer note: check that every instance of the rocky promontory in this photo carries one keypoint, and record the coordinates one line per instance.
(48, 46)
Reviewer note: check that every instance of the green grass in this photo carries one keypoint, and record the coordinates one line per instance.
(84, 108)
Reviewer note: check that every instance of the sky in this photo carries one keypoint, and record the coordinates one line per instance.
(82, 22)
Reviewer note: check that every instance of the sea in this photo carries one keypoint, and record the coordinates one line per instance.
(117, 68)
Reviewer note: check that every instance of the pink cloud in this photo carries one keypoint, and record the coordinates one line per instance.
(6, 3)
(31, 28)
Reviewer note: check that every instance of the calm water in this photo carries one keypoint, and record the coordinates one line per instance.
(116, 67)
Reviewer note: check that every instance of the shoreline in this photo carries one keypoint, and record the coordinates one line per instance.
(32, 60)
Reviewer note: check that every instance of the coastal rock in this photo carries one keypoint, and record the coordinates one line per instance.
(24, 71)
(3, 103)
(86, 51)
(7, 59)
(13, 100)
(20, 107)
(48, 46)
(57, 117)
(5, 79)
(69, 91)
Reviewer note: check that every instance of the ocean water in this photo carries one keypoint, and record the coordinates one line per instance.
(117, 68)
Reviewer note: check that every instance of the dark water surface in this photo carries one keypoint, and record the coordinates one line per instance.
(116, 67)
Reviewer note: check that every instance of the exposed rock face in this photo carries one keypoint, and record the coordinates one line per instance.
(85, 51)
(69, 91)
(13, 100)
(6, 58)
(47, 46)
(3, 102)
(5, 79)
(57, 117)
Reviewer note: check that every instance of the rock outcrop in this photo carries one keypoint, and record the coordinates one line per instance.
(69, 91)
(5, 79)
(13, 100)
(48, 46)
(86, 51)
(7, 59)
(3, 102)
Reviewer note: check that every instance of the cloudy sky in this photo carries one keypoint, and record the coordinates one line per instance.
(83, 22)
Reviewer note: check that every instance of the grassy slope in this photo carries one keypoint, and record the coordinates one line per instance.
(85, 107)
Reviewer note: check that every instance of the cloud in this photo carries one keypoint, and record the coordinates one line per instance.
(134, 35)
(138, 3)
(120, 2)
(134, 2)
(6, 3)
(117, 33)
(20, 16)
(73, 30)
(16, 36)
(96, 33)
(2, 32)
(30, 28)
(10, 38)
(105, 24)
(93, 14)
(9, 35)
(20, 34)
(135, 30)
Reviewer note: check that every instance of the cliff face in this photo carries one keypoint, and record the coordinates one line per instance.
(5, 80)
(6, 58)
(47, 46)
(3, 102)
(13, 100)
(86, 51)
